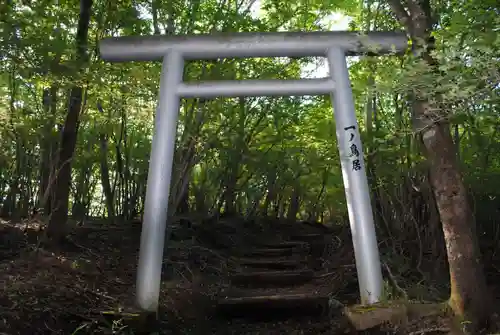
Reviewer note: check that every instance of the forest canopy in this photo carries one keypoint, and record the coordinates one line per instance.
(249, 155)
(77, 131)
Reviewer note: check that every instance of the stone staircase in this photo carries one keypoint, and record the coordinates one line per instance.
(276, 277)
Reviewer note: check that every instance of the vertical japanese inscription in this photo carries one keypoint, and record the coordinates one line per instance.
(353, 148)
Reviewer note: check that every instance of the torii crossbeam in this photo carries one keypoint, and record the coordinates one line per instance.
(174, 50)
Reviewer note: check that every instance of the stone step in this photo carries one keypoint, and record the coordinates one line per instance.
(311, 237)
(271, 278)
(285, 244)
(270, 252)
(272, 305)
(272, 263)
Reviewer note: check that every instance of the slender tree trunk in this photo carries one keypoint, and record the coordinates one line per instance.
(105, 180)
(231, 183)
(8, 206)
(126, 170)
(271, 192)
(183, 206)
(57, 224)
(200, 199)
(46, 151)
(154, 10)
(294, 206)
(469, 297)
(78, 208)
(120, 176)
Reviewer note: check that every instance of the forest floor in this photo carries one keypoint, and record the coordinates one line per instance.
(77, 288)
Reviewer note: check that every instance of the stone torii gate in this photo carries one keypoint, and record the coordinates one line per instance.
(174, 50)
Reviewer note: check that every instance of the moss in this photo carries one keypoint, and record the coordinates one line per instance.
(398, 312)
(456, 301)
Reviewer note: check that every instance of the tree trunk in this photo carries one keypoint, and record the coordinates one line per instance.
(271, 191)
(120, 175)
(105, 180)
(8, 206)
(183, 206)
(469, 297)
(154, 10)
(469, 292)
(46, 149)
(200, 199)
(57, 223)
(231, 184)
(83, 190)
(294, 206)
(313, 214)
(126, 210)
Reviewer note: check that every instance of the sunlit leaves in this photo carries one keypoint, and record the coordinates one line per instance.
(290, 139)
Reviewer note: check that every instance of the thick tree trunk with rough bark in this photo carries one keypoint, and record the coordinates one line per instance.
(59, 216)
(469, 293)
(469, 298)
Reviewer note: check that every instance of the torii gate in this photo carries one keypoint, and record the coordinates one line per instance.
(174, 50)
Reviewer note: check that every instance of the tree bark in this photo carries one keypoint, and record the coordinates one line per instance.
(294, 206)
(154, 10)
(46, 149)
(105, 179)
(469, 297)
(271, 190)
(57, 223)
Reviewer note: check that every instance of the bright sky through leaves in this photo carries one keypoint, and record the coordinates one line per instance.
(336, 22)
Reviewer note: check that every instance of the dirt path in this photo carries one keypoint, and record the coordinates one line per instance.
(280, 278)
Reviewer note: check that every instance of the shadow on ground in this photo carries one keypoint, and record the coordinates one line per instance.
(74, 289)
